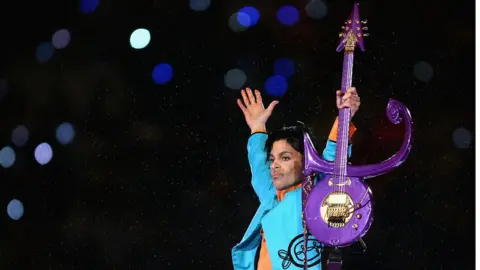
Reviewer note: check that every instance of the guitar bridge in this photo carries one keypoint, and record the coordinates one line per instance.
(336, 209)
(337, 214)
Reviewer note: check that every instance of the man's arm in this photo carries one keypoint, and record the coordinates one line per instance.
(260, 169)
(329, 151)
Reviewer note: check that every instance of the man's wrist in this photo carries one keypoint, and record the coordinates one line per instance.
(258, 129)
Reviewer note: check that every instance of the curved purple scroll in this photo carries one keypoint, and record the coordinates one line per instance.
(396, 112)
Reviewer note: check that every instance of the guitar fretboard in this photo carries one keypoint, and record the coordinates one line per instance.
(341, 155)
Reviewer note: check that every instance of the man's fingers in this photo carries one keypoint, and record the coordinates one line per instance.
(352, 90)
(245, 98)
(242, 107)
(258, 96)
(250, 96)
(339, 98)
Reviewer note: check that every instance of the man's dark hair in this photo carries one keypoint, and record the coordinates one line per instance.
(292, 134)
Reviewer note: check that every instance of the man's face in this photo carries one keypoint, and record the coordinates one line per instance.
(286, 165)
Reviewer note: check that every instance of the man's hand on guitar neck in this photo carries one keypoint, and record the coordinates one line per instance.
(350, 99)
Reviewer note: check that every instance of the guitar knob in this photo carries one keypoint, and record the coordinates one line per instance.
(355, 226)
(359, 216)
(340, 35)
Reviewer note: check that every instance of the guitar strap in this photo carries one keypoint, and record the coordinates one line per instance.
(307, 185)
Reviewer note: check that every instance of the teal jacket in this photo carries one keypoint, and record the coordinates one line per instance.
(283, 234)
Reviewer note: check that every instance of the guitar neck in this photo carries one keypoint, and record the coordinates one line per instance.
(341, 155)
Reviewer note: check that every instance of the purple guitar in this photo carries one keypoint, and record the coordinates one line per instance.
(338, 210)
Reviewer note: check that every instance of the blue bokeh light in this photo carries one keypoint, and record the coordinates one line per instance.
(284, 67)
(288, 15)
(276, 85)
(7, 157)
(199, 5)
(20, 136)
(88, 6)
(65, 133)
(248, 16)
(44, 52)
(15, 209)
(162, 73)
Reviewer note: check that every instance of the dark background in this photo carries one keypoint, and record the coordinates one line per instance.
(157, 176)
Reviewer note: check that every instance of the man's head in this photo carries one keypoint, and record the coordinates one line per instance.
(285, 153)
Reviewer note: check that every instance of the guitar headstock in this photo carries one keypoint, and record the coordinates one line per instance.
(352, 32)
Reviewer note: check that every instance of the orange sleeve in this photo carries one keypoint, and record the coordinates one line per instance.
(333, 132)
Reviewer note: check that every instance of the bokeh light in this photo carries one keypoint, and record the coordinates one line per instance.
(44, 52)
(140, 38)
(162, 73)
(316, 9)
(43, 153)
(235, 78)
(199, 5)
(20, 136)
(423, 71)
(7, 157)
(15, 209)
(276, 85)
(234, 24)
(248, 16)
(288, 15)
(462, 138)
(284, 67)
(61, 39)
(88, 6)
(65, 133)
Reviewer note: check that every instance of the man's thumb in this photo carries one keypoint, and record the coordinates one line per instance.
(271, 106)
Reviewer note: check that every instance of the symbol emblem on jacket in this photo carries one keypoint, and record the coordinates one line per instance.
(295, 253)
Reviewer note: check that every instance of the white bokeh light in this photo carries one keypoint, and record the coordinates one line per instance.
(43, 153)
(140, 38)
(235, 78)
(61, 39)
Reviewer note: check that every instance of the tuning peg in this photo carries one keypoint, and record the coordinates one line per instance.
(364, 21)
(365, 28)
(340, 35)
(349, 21)
(357, 21)
(366, 34)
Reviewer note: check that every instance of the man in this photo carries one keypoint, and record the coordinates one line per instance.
(276, 162)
